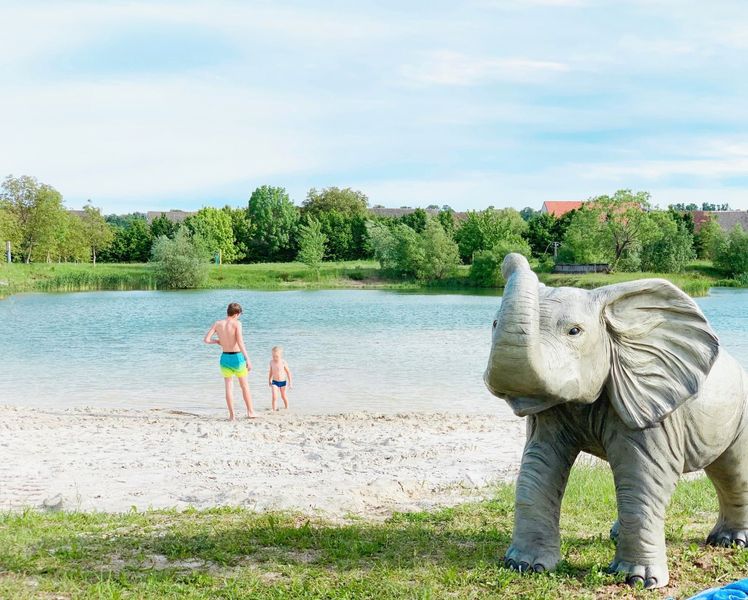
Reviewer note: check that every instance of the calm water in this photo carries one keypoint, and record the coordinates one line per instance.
(349, 350)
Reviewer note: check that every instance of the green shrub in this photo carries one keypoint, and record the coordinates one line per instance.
(671, 252)
(179, 263)
(731, 252)
(486, 268)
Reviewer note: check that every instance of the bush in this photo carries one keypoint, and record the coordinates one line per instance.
(438, 256)
(179, 263)
(731, 252)
(671, 252)
(429, 256)
(311, 245)
(486, 268)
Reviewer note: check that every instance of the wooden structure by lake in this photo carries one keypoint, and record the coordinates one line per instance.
(579, 269)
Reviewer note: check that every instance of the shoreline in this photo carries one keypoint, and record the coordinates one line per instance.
(353, 464)
(355, 275)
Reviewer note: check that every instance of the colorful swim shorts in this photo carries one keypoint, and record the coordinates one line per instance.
(277, 383)
(233, 364)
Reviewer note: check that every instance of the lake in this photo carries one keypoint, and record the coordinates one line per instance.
(349, 350)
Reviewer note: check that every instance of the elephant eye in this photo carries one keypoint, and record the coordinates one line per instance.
(495, 323)
(575, 331)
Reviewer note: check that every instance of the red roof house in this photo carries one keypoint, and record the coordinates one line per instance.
(558, 208)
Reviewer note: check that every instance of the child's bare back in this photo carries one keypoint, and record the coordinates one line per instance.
(234, 361)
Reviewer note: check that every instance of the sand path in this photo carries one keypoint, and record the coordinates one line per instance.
(361, 463)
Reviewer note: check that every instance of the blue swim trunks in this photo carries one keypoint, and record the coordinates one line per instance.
(233, 364)
(279, 384)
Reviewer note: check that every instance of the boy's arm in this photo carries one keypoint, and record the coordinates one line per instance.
(208, 339)
(240, 341)
(288, 373)
(270, 376)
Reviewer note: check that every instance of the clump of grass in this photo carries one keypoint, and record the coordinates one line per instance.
(453, 552)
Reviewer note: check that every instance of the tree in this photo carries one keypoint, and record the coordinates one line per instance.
(707, 238)
(528, 213)
(584, 240)
(683, 207)
(241, 227)
(416, 220)
(342, 214)
(213, 228)
(486, 268)
(731, 252)
(162, 225)
(9, 230)
(610, 229)
(447, 220)
(36, 209)
(400, 250)
(311, 245)
(542, 232)
(710, 206)
(179, 263)
(440, 255)
(70, 242)
(96, 231)
(483, 230)
(626, 223)
(671, 248)
(347, 201)
(132, 239)
(273, 222)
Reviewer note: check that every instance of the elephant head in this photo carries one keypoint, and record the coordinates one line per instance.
(645, 343)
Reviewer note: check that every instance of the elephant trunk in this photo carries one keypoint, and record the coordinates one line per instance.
(515, 361)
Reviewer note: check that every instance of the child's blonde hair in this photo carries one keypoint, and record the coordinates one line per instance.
(278, 349)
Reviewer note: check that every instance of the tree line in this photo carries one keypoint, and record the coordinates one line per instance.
(333, 224)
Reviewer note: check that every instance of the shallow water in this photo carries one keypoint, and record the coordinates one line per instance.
(349, 350)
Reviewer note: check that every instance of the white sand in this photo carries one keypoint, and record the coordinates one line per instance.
(365, 464)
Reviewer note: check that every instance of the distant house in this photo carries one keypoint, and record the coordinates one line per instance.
(726, 219)
(381, 211)
(175, 216)
(558, 208)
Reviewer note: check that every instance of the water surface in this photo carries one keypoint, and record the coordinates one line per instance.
(349, 350)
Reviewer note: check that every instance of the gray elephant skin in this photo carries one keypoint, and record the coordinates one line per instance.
(633, 374)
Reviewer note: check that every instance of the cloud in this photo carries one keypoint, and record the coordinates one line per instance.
(453, 68)
(504, 103)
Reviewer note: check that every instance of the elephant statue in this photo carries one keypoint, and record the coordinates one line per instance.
(633, 374)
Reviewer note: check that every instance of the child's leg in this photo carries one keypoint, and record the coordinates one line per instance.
(229, 397)
(283, 395)
(274, 401)
(247, 396)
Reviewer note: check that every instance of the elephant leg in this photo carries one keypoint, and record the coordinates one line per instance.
(729, 474)
(643, 489)
(546, 462)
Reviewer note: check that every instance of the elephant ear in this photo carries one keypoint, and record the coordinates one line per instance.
(662, 349)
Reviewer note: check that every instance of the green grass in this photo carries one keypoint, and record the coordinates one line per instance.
(450, 553)
(15, 278)
(696, 280)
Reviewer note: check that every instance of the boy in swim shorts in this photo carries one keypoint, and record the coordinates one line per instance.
(234, 360)
(278, 376)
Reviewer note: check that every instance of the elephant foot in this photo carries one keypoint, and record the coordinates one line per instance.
(531, 560)
(726, 537)
(650, 576)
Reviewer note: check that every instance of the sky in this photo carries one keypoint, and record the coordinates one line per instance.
(178, 104)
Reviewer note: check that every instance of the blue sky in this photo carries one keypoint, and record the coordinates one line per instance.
(179, 104)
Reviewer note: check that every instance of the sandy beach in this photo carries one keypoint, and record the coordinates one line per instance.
(361, 463)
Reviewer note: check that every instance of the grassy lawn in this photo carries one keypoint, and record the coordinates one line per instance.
(696, 280)
(454, 553)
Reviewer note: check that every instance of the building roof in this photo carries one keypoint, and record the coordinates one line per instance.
(558, 208)
(175, 216)
(726, 219)
(380, 211)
